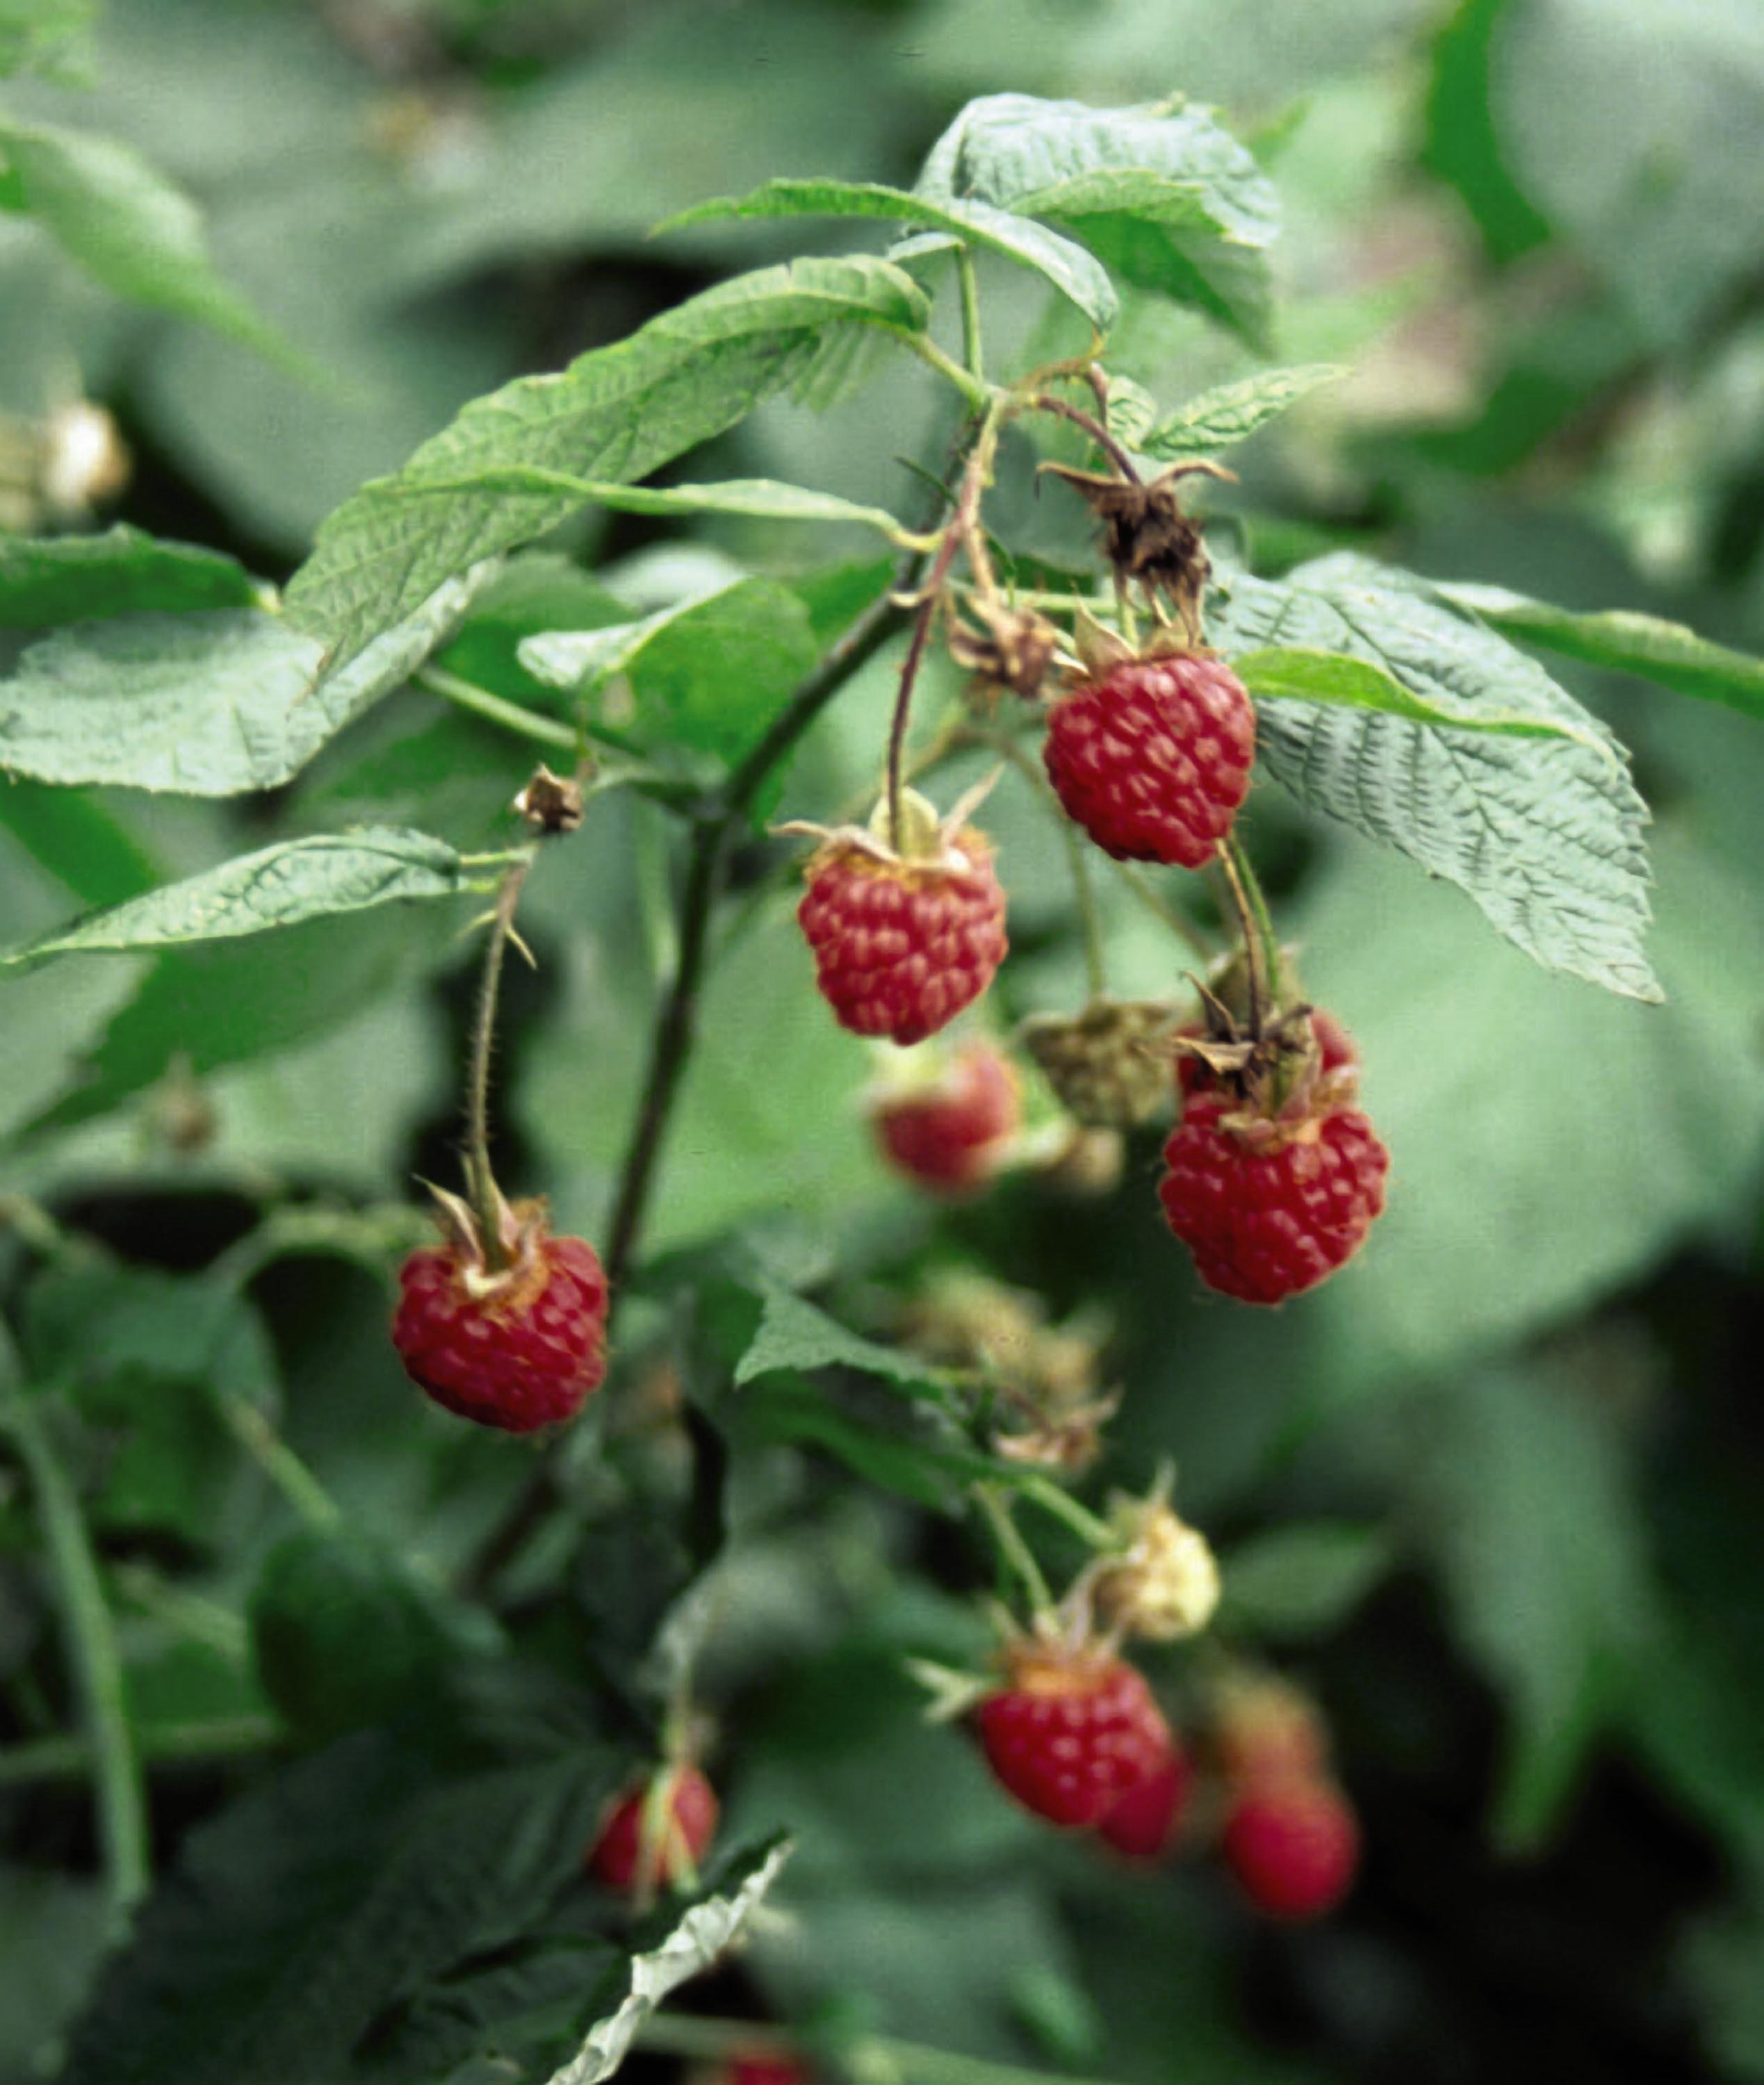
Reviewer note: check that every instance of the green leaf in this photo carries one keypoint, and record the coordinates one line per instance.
(1645, 645)
(86, 579)
(794, 1333)
(346, 1633)
(47, 36)
(308, 1908)
(763, 499)
(1230, 412)
(1072, 271)
(1461, 145)
(1545, 836)
(83, 1322)
(1303, 1579)
(277, 886)
(210, 703)
(1294, 674)
(78, 841)
(126, 225)
(931, 1473)
(617, 413)
(703, 1932)
(1166, 198)
(52, 1930)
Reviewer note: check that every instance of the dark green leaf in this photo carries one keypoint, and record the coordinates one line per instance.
(52, 1931)
(278, 886)
(87, 579)
(138, 235)
(1546, 836)
(1645, 645)
(78, 841)
(617, 414)
(1069, 268)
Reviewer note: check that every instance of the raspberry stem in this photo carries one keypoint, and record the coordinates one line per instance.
(1044, 402)
(970, 313)
(1039, 1491)
(480, 1180)
(1012, 1548)
(1083, 891)
(1261, 946)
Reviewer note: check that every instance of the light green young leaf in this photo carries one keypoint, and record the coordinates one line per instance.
(86, 579)
(705, 1930)
(1074, 273)
(1645, 645)
(1231, 413)
(1161, 193)
(1545, 835)
(1302, 1579)
(127, 226)
(1292, 673)
(617, 414)
(277, 886)
(761, 498)
(212, 702)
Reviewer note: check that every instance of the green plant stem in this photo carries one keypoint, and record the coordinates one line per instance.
(1050, 1497)
(679, 2034)
(285, 1470)
(1184, 929)
(92, 1652)
(467, 695)
(70, 1756)
(970, 313)
(972, 387)
(1012, 1548)
(480, 1180)
(1261, 944)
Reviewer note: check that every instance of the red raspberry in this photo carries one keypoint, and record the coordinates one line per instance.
(1153, 759)
(685, 1825)
(1072, 1732)
(517, 1350)
(1267, 1730)
(902, 944)
(949, 1136)
(1269, 1208)
(1293, 1844)
(751, 2070)
(1142, 1822)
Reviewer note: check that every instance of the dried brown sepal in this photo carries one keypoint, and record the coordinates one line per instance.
(516, 1270)
(1010, 652)
(1146, 537)
(550, 803)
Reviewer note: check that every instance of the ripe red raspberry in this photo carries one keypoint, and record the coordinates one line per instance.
(518, 1348)
(1071, 1732)
(902, 942)
(681, 1824)
(949, 1135)
(1153, 759)
(754, 2069)
(1267, 1207)
(1143, 1822)
(1293, 1844)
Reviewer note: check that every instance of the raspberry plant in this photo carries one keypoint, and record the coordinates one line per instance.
(763, 834)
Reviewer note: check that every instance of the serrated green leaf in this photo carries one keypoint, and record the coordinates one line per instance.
(1545, 836)
(617, 413)
(1166, 198)
(1231, 413)
(127, 225)
(1133, 411)
(763, 499)
(86, 579)
(308, 1908)
(970, 221)
(213, 702)
(796, 1335)
(931, 1473)
(702, 1935)
(1647, 646)
(1291, 674)
(277, 886)
(1302, 1579)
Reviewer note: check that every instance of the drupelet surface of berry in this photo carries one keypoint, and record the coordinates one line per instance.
(901, 946)
(1293, 1844)
(1267, 1218)
(684, 1825)
(949, 1135)
(517, 1354)
(1143, 1822)
(1071, 1733)
(1152, 758)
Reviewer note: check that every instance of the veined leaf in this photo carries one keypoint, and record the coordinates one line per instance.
(1166, 198)
(87, 579)
(1645, 645)
(1295, 674)
(1545, 835)
(761, 498)
(615, 415)
(1074, 273)
(794, 1333)
(704, 1930)
(278, 886)
(126, 225)
(213, 702)
(1232, 412)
